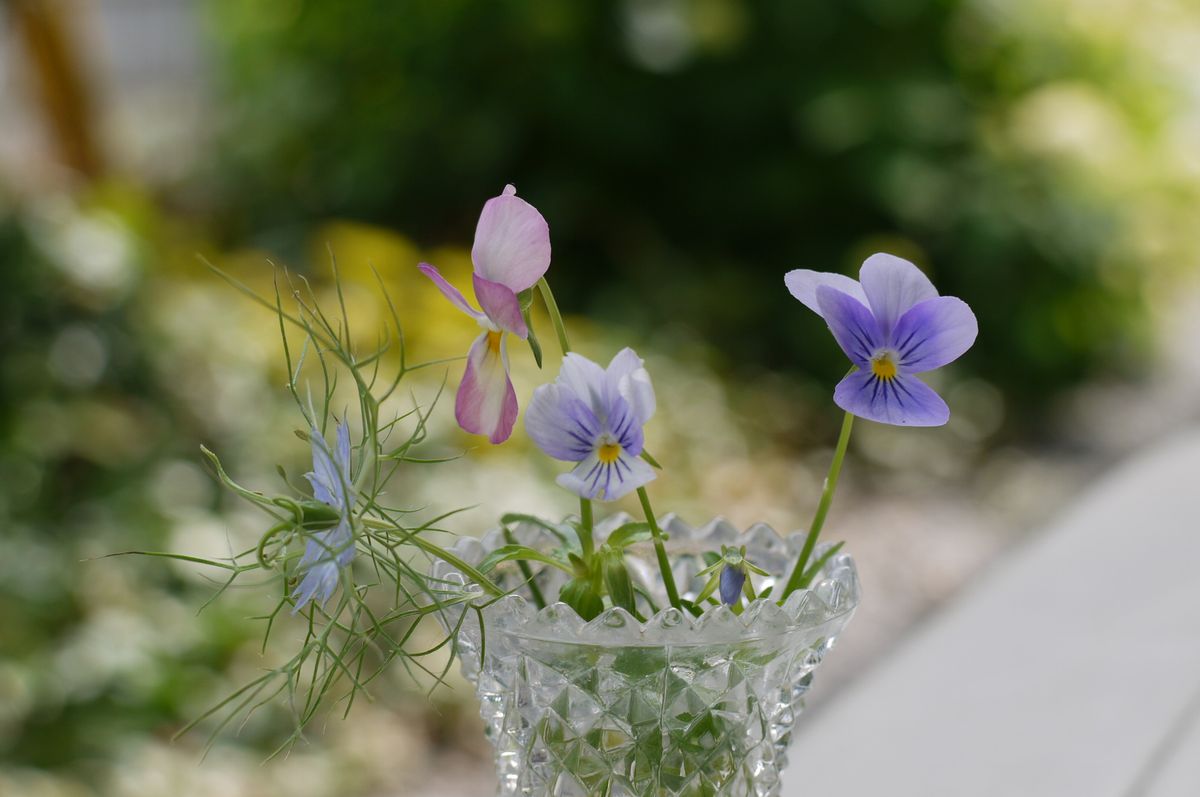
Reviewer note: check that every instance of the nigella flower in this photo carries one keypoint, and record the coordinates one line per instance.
(594, 416)
(511, 253)
(327, 552)
(892, 325)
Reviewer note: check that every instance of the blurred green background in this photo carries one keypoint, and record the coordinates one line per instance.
(1037, 157)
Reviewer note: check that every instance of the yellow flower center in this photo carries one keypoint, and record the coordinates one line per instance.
(883, 366)
(609, 452)
(493, 341)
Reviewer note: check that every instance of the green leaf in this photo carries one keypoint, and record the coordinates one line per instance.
(580, 567)
(651, 460)
(507, 553)
(709, 588)
(753, 568)
(512, 518)
(647, 597)
(629, 534)
(535, 592)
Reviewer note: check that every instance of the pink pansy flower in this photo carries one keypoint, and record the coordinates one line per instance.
(511, 253)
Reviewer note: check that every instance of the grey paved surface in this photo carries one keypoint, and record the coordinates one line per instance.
(1071, 668)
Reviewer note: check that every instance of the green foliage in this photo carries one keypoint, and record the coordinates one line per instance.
(629, 534)
(697, 168)
(355, 639)
(506, 553)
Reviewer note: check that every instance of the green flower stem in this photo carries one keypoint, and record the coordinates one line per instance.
(586, 524)
(585, 505)
(555, 316)
(797, 580)
(539, 600)
(660, 550)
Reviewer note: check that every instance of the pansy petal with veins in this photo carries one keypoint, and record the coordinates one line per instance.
(892, 326)
(594, 416)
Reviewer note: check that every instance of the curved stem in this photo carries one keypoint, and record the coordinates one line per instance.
(797, 580)
(555, 316)
(664, 564)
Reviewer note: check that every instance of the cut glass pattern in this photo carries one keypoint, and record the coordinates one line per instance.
(674, 706)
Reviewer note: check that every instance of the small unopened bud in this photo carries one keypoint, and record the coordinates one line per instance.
(318, 515)
(616, 578)
(579, 595)
(732, 579)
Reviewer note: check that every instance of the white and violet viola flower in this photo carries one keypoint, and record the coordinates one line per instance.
(326, 552)
(594, 416)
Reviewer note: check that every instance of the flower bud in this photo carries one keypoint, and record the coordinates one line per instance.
(318, 515)
(732, 579)
(580, 596)
(616, 578)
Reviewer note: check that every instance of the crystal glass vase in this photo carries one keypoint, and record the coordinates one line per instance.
(677, 705)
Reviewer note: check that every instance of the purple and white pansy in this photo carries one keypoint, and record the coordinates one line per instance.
(892, 324)
(326, 552)
(510, 254)
(594, 416)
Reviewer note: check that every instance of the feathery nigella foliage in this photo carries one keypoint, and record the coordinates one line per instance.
(351, 564)
(354, 566)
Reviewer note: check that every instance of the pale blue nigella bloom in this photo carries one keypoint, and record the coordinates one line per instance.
(328, 550)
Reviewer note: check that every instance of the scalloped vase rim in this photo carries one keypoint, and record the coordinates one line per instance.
(828, 602)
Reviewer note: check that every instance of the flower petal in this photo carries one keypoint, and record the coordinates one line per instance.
(341, 454)
(903, 400)
(893, 286)
(330, 476)
(587, 381)
(732, 579)
(628, 379)
(501, 306)
(319, 582)
(325, 554)
(933, 333)
(450, 292)
(607, 481)
(851, 323)
(321, 489)
(623, 425)
(512, 242)
(486, 402)
(561, 424)
(803, 283)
